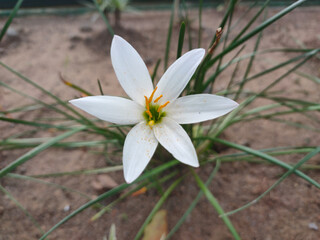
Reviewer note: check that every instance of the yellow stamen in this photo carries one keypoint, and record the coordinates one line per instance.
(162, 106)
(149, 113)
(147, 102)
(151, 123)
(157, 99)
(150, 98)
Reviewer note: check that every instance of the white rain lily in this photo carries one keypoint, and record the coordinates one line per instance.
(157, 112)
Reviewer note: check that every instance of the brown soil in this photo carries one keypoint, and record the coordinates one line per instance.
(79, 48)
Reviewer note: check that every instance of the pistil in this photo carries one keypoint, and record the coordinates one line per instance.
(153, 112)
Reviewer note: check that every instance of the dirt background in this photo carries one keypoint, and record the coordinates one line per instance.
(79, 48)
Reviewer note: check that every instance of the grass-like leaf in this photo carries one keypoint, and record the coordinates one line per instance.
(110, 193)
(37, 150)
(214, 202)
(283, 177)
(157, 206)
(266, 157)
(11, 16)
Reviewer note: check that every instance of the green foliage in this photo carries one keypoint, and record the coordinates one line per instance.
(203, 135)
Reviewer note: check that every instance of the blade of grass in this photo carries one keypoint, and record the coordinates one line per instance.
(145, 184)
(27, 156)
(80, 172)
(270, 151)
(62, 103)
(74, 86)
(33, 142)
(157, 206)
(295, 124)
(266, 157)
(200, 73)
(28, 178)
(96, 4)
(248, 69)
(283, 177)
(194, 202)
(154, 74)
(36, 141)
(88, 122)
(306, 57)
(252, 20)
(49, 106)
(34, 124)
(181, 39)
(168, 43)
(184, 7)
(110, 193)
(235, 71)
(16, 202)
(278, 66)
(226, 122)
(200, 23)
(100, 87)
(309, 76)
(244, 14)
(214, 202)
(24, 108)
(212, 78)
(10, 18)
(259, 28)
(224, 43)
(224, 20)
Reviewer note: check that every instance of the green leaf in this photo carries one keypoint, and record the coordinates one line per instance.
(258, 29)
(37, 150)
(194, 202)
(8, 22)
(214, 202)
(181, 39)
(157, 207)
(283, 177)
(16, 202)
(103, 17)
(266, 157)
(112, 192)
(168, 43)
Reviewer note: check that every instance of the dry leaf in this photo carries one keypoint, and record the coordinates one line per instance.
(157, 229)
(140, 191)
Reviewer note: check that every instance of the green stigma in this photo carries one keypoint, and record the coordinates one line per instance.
(152, 116)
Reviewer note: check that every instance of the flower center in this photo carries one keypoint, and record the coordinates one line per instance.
(154, 112)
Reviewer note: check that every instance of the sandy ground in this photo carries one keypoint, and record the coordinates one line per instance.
(79, 49)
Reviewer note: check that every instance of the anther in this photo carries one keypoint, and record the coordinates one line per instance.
(157, 99)
(147, 102)
(150, 98)
(162, 106)
(149, 113)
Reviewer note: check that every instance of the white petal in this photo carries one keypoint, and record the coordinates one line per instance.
(130, 69)
(111, 109)
(199, 107)
(138, 149)
(175, 79)
(175, 139)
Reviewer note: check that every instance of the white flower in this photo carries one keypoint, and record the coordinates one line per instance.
(157, 112)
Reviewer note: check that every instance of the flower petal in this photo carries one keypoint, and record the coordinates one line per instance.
(199, 107)
(175, 139)
(177, 76)
(111, 109)
(138, 149)
(130, 69)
